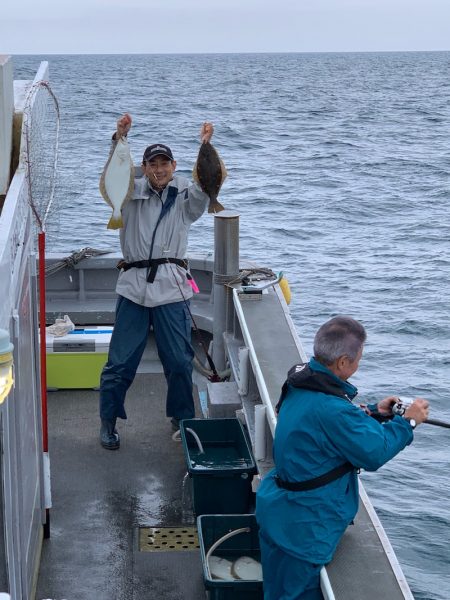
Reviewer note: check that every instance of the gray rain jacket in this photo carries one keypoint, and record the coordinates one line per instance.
(140, 216)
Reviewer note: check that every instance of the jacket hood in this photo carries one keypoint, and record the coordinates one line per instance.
(314, 376)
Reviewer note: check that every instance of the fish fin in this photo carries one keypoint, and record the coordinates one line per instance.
(102, 184)
(103, 191)
(224, 170)
(195, 174)
(130, 191)
(215, 207)
(115, 222)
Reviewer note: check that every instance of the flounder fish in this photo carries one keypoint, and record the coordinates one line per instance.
(117, 181)
(210, 172)
(220, 568)
(247, 567)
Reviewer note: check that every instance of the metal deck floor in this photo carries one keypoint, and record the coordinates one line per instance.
(101, 498)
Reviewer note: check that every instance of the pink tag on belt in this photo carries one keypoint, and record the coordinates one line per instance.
(192, 283)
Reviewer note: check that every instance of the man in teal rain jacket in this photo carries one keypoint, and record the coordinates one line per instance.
(305, 504)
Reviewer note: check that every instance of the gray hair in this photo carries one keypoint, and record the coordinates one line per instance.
(338, 337)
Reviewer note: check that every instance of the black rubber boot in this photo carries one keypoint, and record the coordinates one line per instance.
(109, 438)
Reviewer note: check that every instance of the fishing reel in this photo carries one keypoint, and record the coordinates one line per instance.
(401, 406)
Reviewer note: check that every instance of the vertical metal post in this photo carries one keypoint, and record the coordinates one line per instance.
(43, 348)
(226, 269)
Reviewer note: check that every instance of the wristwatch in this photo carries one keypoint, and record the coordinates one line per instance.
(412, 422)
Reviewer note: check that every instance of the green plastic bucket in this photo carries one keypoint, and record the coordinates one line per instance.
(210, 529)
(221, 474)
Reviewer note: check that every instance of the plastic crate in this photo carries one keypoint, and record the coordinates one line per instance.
(222, 475)
(210, 529)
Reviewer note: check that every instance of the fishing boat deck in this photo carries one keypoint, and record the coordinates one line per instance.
(359, 569)
(102, 498)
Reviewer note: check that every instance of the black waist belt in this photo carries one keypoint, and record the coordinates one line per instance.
(152, 265)
(311, 484)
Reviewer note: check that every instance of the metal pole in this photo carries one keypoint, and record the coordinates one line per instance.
(226, 269)
(43, 356)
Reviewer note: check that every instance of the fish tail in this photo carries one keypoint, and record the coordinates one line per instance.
(215, 206)
(115, 222)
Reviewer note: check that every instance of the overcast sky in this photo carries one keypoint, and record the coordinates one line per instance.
(165, 26)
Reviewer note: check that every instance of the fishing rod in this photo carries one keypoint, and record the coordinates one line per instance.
(214, 377)
(438, 423)
(400, 407)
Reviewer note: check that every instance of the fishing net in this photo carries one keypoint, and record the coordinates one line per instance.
(38, 156)
(39, 150)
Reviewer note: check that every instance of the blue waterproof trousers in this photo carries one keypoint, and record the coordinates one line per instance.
(172, 329)
(286, 577)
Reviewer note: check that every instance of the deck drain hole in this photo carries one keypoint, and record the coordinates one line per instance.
(157, 539)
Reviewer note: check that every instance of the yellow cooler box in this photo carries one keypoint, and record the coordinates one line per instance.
(76, 360)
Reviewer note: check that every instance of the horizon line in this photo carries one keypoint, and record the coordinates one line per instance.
(53, 53)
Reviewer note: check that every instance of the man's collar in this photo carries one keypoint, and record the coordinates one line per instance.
(157, 192)
(348, 387)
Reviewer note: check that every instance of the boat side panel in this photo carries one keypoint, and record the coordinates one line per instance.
(86, 291)
(21, 436)
(28, 434)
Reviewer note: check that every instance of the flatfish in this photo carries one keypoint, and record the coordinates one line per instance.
(220, 568)
(210, 172)
(246, 567)
(117, 181)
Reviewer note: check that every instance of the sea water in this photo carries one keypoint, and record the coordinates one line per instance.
(339, 165)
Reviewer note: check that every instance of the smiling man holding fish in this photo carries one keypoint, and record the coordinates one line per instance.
(154, 212)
